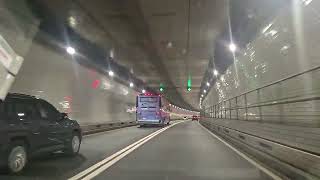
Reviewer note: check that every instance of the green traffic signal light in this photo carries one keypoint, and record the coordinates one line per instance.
(161, 87)
(189, 84)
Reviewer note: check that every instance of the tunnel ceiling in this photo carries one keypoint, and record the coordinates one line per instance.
(160, 41)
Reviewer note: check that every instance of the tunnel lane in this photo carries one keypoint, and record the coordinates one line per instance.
(185, 151)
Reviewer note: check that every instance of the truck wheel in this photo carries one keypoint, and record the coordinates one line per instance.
(17, 157)
(73, 146)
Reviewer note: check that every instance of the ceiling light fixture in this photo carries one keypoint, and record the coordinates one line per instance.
(70, 50)
(72, 21)
(215, 72)
(232, 47)
(111, 73)
(131, 84)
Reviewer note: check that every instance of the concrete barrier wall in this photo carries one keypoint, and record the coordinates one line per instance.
(286, 45)
(85, 94)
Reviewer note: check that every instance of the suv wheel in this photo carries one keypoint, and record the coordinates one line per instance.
(73, 146)
(17, 157)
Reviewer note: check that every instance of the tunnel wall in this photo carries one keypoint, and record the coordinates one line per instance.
(17, 29)
(88, 96)
(286, 127)
(18, 26)
(289, 44)
(55, 76)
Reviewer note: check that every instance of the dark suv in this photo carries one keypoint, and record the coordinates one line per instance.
(30, 126)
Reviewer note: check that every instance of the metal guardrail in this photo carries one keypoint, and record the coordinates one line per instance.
(230, 108)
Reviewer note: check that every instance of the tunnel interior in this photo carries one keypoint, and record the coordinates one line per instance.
(247, 71)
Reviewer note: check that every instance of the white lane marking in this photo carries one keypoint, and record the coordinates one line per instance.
(110, 163)
(99, 167)
(253, 162)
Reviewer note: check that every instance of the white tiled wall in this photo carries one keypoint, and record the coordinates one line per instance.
(87, 95)
(287, 45)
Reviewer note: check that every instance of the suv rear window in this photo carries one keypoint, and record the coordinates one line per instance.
(19, 110)
(148, 99)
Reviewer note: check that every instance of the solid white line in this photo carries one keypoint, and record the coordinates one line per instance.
(107, 162)
(118, 158)
(253, 162)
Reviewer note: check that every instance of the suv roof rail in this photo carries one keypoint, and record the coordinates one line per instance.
(18, 95)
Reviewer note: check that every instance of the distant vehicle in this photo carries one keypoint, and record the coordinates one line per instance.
(152, 109)
(31, 126)
(195, 118)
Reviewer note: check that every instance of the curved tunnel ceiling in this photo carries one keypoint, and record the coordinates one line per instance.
(161, 42)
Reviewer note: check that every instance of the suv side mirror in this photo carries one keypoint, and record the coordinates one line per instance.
(63, 116)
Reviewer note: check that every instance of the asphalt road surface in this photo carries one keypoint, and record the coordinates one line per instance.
(183, 151)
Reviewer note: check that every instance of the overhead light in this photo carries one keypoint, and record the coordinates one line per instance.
(72, 21)
(208, 84)
(111, 73)
(215, 72)
(201, 95)
(306, 2)
(21, 114)
(232, 47)
(222, 78)
(131, 84)
(204, 91)
(143, 91)
(70, 50)
(169, 45)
